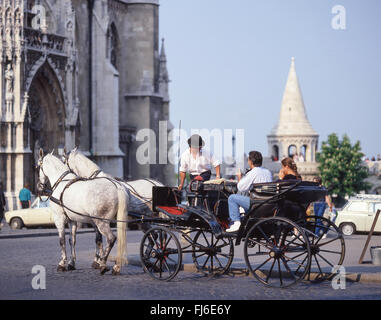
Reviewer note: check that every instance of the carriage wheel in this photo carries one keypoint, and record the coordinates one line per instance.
(212, 255)
(274, 254)
(160, 254)
(327, 247)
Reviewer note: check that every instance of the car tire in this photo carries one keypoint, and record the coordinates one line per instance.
(16, 223)
(347, 229)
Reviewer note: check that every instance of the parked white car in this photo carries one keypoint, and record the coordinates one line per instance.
(39, 214)
(358, 214)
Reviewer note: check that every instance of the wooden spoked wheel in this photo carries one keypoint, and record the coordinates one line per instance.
(161, 254)
(212, 255)
(277, 252)
(327, 247)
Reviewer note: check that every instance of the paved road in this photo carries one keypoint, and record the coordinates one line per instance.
(18, 256)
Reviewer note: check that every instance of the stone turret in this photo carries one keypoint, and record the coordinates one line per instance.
(293, 134)
(293, 118)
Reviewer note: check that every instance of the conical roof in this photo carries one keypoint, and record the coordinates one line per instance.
(293, 118)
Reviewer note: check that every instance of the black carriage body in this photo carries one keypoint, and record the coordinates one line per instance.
(288, 199)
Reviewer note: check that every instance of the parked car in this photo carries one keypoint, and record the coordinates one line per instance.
(39, 214)
(358, 214)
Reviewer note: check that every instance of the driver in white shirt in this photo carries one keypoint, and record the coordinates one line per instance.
(197, 162)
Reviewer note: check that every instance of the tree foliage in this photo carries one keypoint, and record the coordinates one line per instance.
(341, 167)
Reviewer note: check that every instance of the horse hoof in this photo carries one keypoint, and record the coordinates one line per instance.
(70, 267)
(95, 265)
(104, 270)
(115, 270)
(61, 269)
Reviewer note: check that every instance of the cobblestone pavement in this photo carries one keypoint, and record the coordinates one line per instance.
(18, 256)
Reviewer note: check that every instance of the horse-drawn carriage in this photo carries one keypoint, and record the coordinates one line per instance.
(281, 244)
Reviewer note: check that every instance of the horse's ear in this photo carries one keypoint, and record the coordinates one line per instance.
(75, 149)
(51, 153)
(65, 151)
(41, 152)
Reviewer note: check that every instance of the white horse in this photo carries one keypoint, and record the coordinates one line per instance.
(140, 190)
(88, 201)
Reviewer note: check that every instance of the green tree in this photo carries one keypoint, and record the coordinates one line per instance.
(341, 167)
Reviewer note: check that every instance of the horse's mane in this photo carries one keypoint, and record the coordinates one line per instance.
(81, 158)
(56, 163)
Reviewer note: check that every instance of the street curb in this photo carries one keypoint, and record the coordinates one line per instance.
(40, 234)
(364, 277)
(352, 277)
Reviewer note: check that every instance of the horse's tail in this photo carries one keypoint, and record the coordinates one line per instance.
(122, 226)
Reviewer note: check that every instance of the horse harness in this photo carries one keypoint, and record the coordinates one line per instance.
(59, 201)
(131, 189)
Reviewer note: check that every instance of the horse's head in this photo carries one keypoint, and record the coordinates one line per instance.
(79, 164)
(43, 183)
(67, 157)
(42, 178)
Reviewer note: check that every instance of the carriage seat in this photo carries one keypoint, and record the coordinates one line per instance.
(174, 212)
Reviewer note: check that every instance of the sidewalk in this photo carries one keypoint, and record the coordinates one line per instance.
(366, 272)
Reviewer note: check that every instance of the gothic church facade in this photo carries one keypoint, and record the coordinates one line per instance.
(87, 73)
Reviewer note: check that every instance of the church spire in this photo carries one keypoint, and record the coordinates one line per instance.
(163, 56)
(293, 118)
(163, 73)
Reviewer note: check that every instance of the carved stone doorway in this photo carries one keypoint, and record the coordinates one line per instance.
(47, 117)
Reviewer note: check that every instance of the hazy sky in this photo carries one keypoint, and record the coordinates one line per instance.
(229, 61)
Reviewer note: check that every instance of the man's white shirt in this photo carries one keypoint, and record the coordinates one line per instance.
(255, 175)
(199, 164)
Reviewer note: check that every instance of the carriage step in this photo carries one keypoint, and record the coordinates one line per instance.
(229, 234)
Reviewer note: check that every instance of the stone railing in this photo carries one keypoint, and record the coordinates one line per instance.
(36, 40)
(374, 167)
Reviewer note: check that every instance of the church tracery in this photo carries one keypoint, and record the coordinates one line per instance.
(36, 61)
(112, 45)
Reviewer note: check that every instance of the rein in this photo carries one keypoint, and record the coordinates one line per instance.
(95, 174)
(136, 194)
(131, 189)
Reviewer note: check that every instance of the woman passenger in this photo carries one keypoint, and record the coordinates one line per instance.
(289, 170)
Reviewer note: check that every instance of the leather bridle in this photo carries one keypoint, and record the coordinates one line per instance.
(43, 186)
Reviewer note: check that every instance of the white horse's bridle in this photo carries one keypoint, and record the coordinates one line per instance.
(44, 187)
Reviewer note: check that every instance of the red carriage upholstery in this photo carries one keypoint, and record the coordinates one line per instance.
(176, 211)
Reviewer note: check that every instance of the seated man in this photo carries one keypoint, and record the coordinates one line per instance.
(257, 174)
(197, 162)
